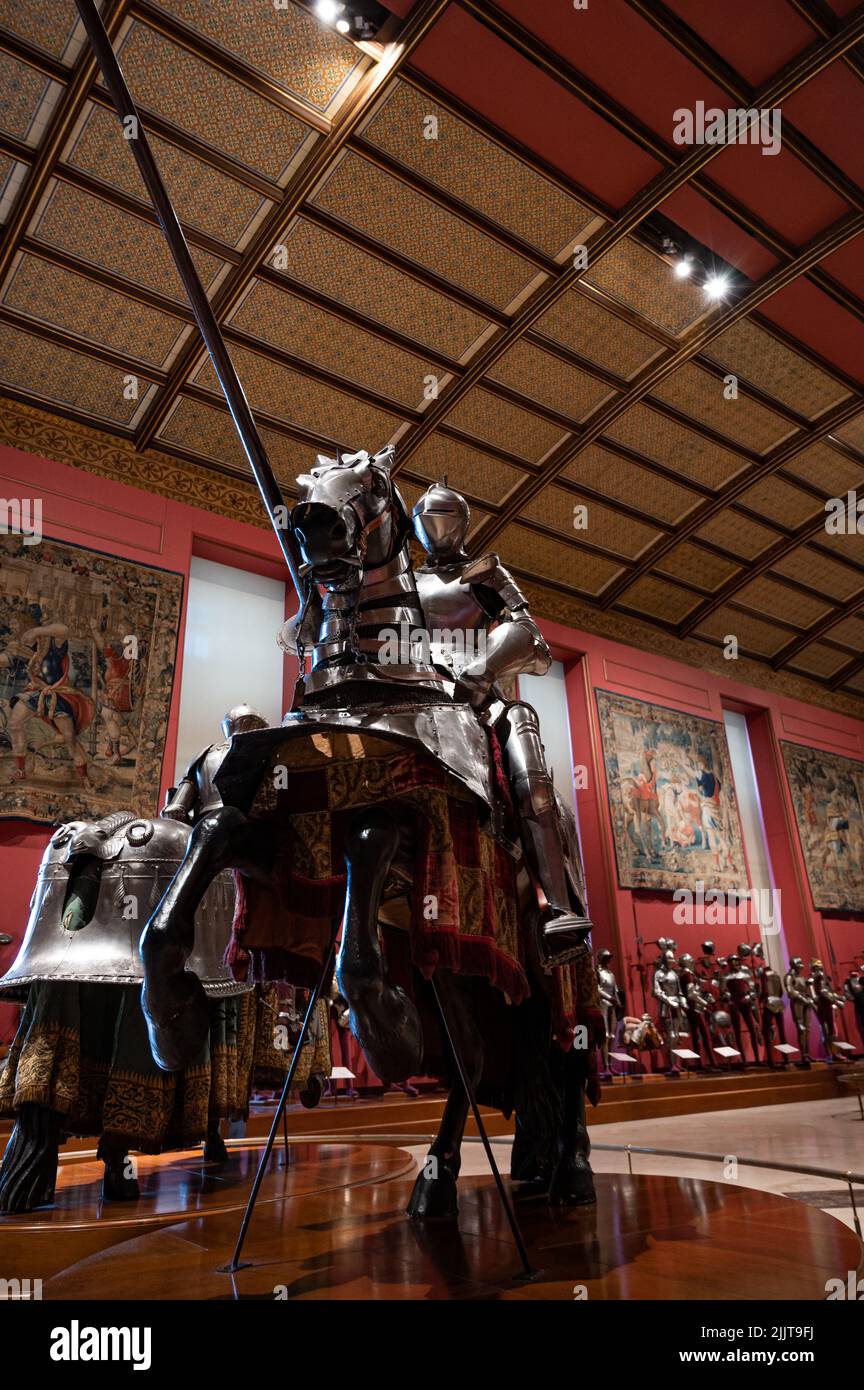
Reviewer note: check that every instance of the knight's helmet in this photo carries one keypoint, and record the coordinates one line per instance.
(440, 519)
(98, 883)
(241, 719)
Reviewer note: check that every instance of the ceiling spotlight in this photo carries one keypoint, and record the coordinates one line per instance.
(329, 11)
(684, 267)
(343, 26)
(716, 286)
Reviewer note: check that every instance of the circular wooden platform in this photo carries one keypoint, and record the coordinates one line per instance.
(332, 1226)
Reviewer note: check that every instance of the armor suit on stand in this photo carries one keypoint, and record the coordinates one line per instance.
(195, 796)
(468, 604)
(853, 988)
(698, 1003)
(740, 988)
(826, 1002)
(611, 997)
(769, 989)
(666, 988)
(800, 995)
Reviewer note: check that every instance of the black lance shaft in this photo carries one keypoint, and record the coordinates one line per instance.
(271, 493)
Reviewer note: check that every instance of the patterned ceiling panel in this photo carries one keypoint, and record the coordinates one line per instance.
(181, 88)
(305, 331)
(655, 437)
(95, 231)
(660, 600)
(549, 381)
(209, 433)
(700, 395)
(850, 632)
(642, 281)
(387, 210)
(853, 433)
(827, 469)
(557, 510)
(627, 482)
(855, 682)
(564, 564)
(280, 40)
(596, 334)
(54, 295)
(695, 565)
(465, 163)
(846, 546)
(814, 568)
(758, 357)
(465, 468)
(68, 378)
(738, 534)
(819, 660)
(46, 24)
(27, 98)
(202, 196)
(288, 395)
(780, 502)
(497, 422)
(753, 635)
(774, 600)
(361, 281)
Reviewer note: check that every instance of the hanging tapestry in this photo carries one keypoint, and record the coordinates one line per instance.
(828, 796)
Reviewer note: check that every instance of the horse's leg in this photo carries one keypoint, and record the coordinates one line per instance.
(572, 1181)
(175, 1006)
(119, 1183)
(434, 1195)
(215, 1150)
(28, 1173)
(383, 1019)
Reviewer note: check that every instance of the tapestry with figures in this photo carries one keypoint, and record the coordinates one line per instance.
(87, 652)
(671, 798)
(828, 796)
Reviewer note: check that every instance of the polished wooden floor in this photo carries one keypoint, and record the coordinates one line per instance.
(332, 1226)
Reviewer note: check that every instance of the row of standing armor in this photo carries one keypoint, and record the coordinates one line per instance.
(710, 1003)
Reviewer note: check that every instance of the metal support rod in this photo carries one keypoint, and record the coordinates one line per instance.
(280, 1109)
(854, 1208)
(135, 135)
(528, 1271)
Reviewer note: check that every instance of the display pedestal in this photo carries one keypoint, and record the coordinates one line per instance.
(332, 1226)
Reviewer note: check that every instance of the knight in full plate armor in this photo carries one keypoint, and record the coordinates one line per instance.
(800, 995)
(853, 988)
(666, 988)
(826, 1001)
(741, 993)
(698, 1003)
(482, 632)
(611, 1002)
(769, 988)
(195, 795)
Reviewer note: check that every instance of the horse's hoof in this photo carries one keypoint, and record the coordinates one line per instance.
(117, 1186)
(28, 1174)
(572, 1184)
(177, 1013)
(388, 1028)
(312, 1092)
(215, 1148)
(434, 1198)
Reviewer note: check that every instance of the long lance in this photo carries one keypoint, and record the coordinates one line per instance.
(271, 493)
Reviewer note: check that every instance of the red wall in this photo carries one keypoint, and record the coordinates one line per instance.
(620, 914)
(108, 516)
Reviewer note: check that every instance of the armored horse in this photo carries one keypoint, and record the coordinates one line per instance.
(381, 802)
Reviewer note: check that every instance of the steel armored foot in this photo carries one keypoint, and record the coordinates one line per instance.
(28, 1174)
(313, 1091)
(179, 1024)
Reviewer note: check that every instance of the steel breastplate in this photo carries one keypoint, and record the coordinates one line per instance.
(451, 612)
(139, 861)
